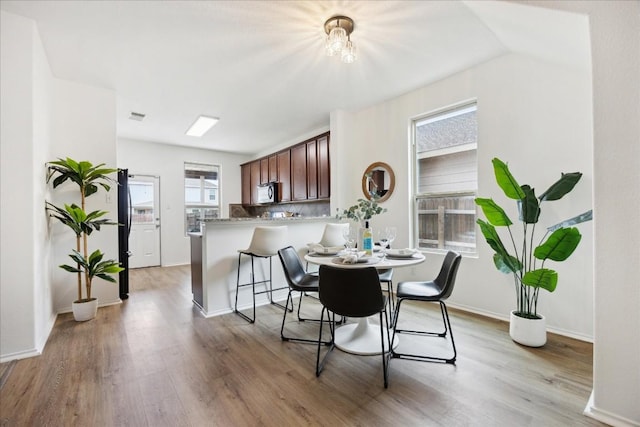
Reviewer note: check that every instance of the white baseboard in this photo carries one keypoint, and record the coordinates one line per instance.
(20, 355)
(498, 316)
(607, 417)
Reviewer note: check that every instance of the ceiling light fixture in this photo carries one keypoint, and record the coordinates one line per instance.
(201, 126)
(339, 29)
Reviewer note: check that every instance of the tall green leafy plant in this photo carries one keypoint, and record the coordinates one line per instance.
(526, 257)
(88, 178)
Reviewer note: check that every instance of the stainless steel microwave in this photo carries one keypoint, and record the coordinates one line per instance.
(268, 193)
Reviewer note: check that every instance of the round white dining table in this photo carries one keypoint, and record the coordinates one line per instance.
(363, 337)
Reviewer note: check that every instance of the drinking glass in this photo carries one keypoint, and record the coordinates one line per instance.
(350, 236)
(391, 233)
(383, 239)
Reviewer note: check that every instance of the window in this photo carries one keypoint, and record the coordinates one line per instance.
(201, 194)
(445, 145)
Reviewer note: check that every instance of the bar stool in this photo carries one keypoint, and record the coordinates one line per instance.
(333, 235)
(265, 243)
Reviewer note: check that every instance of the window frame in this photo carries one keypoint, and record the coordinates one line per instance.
(191, 166)
(415, 195)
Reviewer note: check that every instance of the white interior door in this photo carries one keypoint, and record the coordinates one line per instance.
(144, 239)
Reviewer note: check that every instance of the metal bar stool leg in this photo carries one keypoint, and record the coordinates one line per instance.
(253, 288)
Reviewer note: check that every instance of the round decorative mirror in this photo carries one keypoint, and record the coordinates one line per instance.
(378, 180)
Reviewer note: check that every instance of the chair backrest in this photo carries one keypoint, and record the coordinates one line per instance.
(447, 277)
(267, 240)
(292, 266)
(351, 292)
(333, 234)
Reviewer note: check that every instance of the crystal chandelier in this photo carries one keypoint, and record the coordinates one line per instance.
(339, 29)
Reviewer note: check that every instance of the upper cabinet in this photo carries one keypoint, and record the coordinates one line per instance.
(284, 174)
(324, 171)
(312, 170)
(264, 171)
(299, 172)
(246, 183)
(302, 170)
(273, 168)
(255, 181)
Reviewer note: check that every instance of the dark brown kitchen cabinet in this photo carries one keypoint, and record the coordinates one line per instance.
(284, 175)
(302, 171)
(246, 184)
(299, 172)
(255, 181)
(312, 170)
(264, 171)
(273, 168)
(324, 171)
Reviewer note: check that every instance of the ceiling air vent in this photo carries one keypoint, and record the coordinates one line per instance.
(136, 116)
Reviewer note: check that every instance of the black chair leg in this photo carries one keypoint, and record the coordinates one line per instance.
(294, 339)
(320, 364)
(253, 292)
(425, 358)
(385, 368)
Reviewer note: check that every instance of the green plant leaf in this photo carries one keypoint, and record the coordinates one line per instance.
(562, 186)
(583, 217)
(507, 263)
(70, 268)
(559, 245)
(503, 261)
(494, 213)
(506, 181)
(541, 278)
(491, 236)
(528, 206)
(84, 174)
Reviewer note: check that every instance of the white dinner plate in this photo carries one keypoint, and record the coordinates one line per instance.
(401, 253)
(325, 250)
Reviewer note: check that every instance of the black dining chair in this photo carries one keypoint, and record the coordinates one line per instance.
(437, 290)
(299, 281)
(386, 276)
(351, 293)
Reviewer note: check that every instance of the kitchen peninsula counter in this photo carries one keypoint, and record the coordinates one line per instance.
(215, 256)
(270, 220)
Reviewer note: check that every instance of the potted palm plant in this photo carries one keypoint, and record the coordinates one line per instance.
(526, 257)
(88, 177)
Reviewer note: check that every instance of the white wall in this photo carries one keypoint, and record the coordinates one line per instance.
(18, 289)
(616, 82)
(43, 118)
(167, 162)
(26, 100)
(42, 102)
(83, 128)
(534, 115)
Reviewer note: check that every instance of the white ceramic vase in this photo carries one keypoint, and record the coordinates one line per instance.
(85, 310)
(529, 332)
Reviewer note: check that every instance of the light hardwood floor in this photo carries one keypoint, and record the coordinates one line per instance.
(155, 361)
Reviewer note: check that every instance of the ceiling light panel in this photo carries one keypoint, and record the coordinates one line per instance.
(202, 126)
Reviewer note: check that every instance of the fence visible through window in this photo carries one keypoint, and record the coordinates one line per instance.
(447, 222)
(446, 179)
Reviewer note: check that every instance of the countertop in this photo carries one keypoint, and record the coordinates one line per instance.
(261, 219)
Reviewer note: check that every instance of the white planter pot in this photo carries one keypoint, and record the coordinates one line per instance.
(85, 310)
(529, 332)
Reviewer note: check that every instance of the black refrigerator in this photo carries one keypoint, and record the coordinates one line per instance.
(124, 229)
